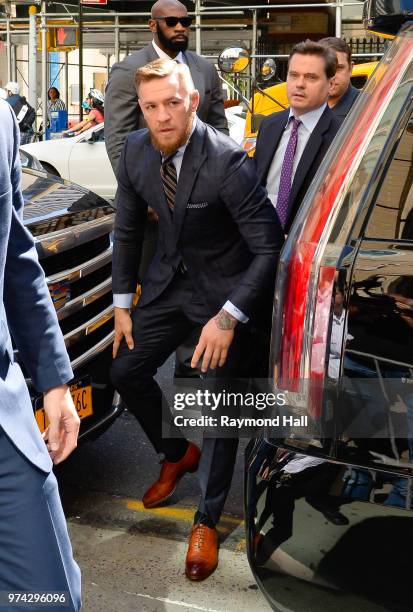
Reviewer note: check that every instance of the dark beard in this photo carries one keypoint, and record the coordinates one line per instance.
(171, 45)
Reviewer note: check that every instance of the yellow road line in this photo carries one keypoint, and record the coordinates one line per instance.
(181, 514)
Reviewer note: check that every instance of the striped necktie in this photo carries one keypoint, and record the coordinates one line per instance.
(170, 181)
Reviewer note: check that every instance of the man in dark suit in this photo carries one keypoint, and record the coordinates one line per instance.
(291, 144)
(35, 551)
(219, 239)
(169, 24)
(342, 94)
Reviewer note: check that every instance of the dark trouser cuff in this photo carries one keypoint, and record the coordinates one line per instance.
(204, 519)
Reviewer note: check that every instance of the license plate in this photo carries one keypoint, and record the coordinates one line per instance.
(81, 392)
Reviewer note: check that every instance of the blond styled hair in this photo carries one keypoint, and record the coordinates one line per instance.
(161, 68)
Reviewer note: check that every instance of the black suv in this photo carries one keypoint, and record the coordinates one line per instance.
(72, 229)
(329, 511)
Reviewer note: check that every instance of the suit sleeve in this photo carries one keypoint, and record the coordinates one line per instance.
(121, 110)
(216, 114)
(259, 146)
(31, 316)
(130, 221)
(258, 224)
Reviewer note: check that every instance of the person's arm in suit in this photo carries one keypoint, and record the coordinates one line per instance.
(259, 225)
(33, 323)
(247, 201)
(130, 222)
(216, 114)
(121, 109)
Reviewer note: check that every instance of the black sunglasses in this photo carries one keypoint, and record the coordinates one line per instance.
(171, 22)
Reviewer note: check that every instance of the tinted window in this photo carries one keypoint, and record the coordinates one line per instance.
(99, 135)
(359, 81)
(392, 217)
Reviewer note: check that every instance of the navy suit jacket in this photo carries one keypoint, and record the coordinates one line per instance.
(268, 140)
(26, 309)
(343, 106)
(223, 227)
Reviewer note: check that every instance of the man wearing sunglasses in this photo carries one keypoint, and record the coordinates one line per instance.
(169, 25)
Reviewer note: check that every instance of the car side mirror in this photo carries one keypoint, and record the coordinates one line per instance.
(268, 69)
(233, 60)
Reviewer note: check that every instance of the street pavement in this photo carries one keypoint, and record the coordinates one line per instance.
(132, 558)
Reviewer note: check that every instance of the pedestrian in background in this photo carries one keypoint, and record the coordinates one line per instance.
(25, 114)
(342, 93)
(292, 144)
(54, 101)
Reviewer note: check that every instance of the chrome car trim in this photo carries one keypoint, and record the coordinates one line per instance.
(63, 240)
(89, 326)
(86, 298)
(73, 274)
(116, 409)
(97, 348)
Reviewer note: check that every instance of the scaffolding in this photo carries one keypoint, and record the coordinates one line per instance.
(112, 30)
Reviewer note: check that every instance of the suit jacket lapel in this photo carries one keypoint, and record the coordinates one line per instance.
(193, 158)
(270, 145)
(197, 76)
(310, 152)
(151, 53)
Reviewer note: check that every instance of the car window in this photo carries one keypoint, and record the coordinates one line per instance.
(99, 135)
(359, 81)
(392, 216)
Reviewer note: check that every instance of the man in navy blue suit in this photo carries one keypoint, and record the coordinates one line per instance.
(291, 144)
(214, 268)
(35, 551)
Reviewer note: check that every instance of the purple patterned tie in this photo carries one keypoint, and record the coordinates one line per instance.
(284, 188)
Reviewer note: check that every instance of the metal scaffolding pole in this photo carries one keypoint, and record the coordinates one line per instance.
(339, 12)
(67, 80)
(13, 62)
(254, 42)
(198, 26)
(32, 96)
(117, 45)
(8, 49)
(44, 63)
(80, 24)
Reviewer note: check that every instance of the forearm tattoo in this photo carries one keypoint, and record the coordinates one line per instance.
(224, 320)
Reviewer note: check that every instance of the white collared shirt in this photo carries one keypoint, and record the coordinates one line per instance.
(305, 129)
(178, 58)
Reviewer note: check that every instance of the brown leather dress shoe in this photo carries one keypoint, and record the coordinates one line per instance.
(202, 555)
(171, 473)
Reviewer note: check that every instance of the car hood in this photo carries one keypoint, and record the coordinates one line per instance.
(52, 204)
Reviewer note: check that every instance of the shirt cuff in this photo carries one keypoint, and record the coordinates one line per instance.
(235, 312)
(122, 300)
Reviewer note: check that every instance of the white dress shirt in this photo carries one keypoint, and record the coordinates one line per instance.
(305, 129)
(178, 58)
(124, 300)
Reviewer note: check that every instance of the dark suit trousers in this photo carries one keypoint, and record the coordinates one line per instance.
(35, 552)
(158, 329)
